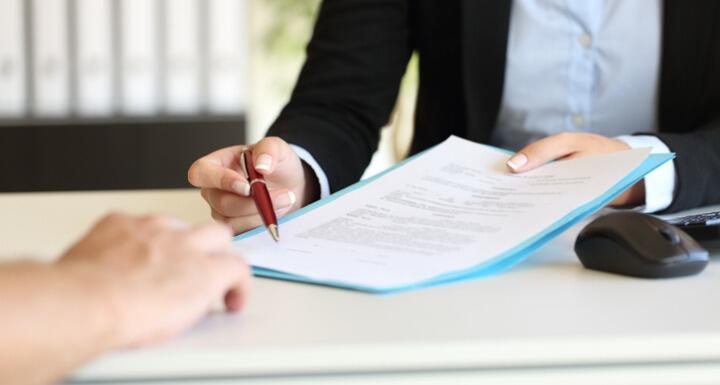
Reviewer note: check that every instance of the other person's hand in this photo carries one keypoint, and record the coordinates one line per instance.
(569, 145)
(291, 183)
(156, 275)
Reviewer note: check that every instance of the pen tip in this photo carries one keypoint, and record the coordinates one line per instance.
(274, 232)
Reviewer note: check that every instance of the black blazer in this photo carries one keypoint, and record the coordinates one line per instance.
(360, 48)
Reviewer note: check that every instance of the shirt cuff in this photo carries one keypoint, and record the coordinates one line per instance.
(660, 183)
(306, 157)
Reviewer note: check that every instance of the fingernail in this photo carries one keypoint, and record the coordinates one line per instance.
(263, 162)
(285, 200)
(241, 188)
(517, 161)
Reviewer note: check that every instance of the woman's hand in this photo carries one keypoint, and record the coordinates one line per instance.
(569, 145)
(292, 184)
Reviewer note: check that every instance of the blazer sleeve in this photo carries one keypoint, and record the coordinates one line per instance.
(348, 85)
(697, 166)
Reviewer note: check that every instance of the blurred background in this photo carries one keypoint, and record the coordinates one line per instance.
(125, 94)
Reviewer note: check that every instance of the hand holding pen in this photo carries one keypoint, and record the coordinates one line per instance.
(291, 184)
(259, 193)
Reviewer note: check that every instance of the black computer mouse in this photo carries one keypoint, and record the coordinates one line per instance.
(639, 245)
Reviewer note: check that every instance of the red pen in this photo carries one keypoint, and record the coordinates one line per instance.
(260, 194)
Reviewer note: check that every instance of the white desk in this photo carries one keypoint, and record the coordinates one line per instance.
(545, 321)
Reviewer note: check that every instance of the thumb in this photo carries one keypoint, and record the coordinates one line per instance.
(540, 152)
(277, 161)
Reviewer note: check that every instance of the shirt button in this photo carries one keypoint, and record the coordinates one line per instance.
(578, 120)
(585, 40)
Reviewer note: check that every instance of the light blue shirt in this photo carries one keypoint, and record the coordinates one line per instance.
(585, 65)
(580, 65)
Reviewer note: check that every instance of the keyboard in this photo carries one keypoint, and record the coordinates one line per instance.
(704, 228)
(704, 219)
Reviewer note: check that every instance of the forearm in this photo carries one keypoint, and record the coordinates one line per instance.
(697, 165)
(51, 322)
(655, 192)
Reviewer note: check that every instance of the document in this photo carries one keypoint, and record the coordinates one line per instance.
(449, 213)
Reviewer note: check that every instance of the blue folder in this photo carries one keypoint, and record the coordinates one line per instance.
(493, 266)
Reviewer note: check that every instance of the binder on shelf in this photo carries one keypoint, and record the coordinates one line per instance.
(51, 62)
(94, 42)
(228, 28)
(12, 59)
(182, 41)
(139, 57)
(99, 58)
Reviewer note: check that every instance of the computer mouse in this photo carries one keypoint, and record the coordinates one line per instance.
(639, 245)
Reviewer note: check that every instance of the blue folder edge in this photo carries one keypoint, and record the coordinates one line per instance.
(491, 267)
